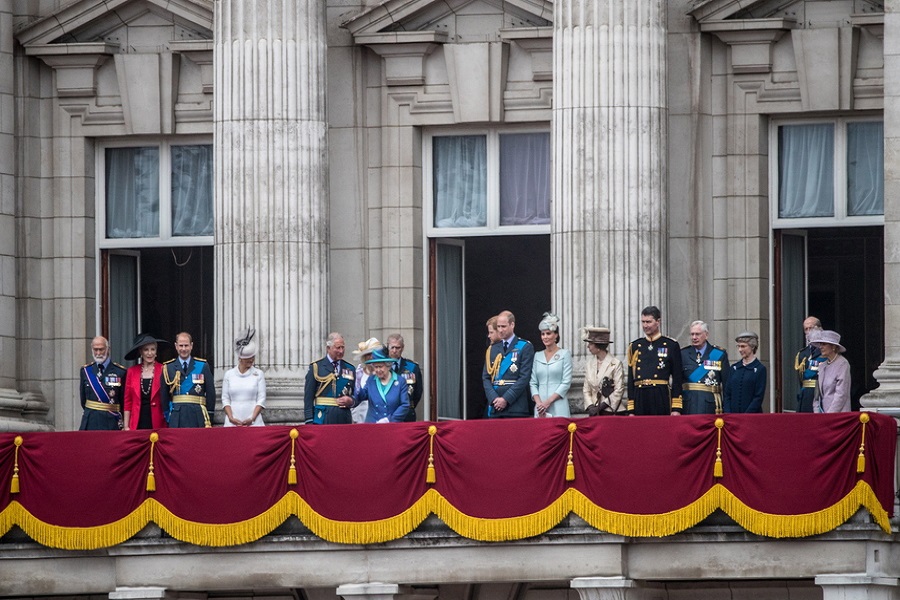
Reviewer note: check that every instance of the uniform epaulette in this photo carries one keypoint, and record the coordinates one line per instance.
(86, 365)
(199, 359)
(120, 366)
(171, 360)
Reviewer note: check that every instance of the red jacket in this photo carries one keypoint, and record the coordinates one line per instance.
(133, 397)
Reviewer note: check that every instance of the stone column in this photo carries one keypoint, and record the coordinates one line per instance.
(8, 319)
(609, 171)
(271, 186)
(887, 397)
(857, 586)
(601, 588)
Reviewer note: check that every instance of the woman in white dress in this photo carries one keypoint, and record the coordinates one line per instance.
(244, 387)
(551, 374)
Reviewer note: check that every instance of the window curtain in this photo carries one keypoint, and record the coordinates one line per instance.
(123, 318)
(450, 328)
(460, 181)
(192, 190)
(132, 192)
(865, 168)
(806, 171)
(525, 179)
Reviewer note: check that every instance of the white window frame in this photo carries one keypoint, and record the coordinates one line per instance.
(840, 218)
(493, 226)
(165, 238)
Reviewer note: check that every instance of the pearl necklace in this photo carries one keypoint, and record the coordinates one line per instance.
(146, 390)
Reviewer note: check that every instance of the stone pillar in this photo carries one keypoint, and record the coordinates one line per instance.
(887, 397)
(381, 591)
(8, 318)
(857, 586)
(271, 186)
(601, 588)
(609, 172)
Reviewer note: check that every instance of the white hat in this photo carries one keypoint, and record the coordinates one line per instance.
(367, 347)
(244, 346)
(826, 336)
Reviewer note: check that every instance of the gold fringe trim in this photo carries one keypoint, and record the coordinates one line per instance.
(487, 530)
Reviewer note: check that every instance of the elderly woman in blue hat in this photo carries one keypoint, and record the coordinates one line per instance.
(388, 395)
(833, 385)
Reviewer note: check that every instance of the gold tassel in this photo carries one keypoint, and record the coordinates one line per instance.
(14, 484)
(151, 478)
(292, 470)
(429, 473)
(717, 469)
(861, 459)
(570, 466)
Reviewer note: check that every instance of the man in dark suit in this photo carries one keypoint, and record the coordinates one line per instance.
(705, 372)
(407, 369)
(328, 393)
(507, 372)
(806, 364)
(188, 392)
(102, 386)
(654, 364)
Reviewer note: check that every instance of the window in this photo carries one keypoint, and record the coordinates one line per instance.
(482, 183)
(156, 195)
(830, 171)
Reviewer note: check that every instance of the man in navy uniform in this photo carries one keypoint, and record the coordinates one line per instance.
(408, 370)
(507, 372)
(328, 393)
(654, 363)
(806, 363)
(188, 392)
(705, 372)
(102, 387)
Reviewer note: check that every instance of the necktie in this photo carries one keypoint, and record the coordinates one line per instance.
(699, 356)
(184, 367)
(336, 370)
(505, 347)
(100, 368)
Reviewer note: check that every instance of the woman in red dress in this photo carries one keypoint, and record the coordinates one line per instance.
(142, 383)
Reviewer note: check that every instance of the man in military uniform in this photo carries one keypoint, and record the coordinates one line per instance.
(507, 372)
(408, 370)
(704, 373)
(102, 386)
(188, 392)
(806, 363)
(654, 362)
(328, 394)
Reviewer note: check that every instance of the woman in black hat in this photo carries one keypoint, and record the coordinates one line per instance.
(142, 383)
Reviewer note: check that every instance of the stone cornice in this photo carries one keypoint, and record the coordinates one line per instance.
(751, 41)
(75, 65)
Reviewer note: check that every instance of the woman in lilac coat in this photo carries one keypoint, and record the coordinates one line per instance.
(833, 386)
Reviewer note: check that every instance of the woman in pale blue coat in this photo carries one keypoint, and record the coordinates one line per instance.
(551, 374)
(388, 395)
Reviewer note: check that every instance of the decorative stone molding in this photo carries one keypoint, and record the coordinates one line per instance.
(538, 41)
(404, 53)
(751, 41)
(477, 74)
(601, 588)
(75, 65)
(857, 586)
(199, 52)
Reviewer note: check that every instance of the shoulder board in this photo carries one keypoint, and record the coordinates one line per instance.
(86, 365)
(719, 348)
(198, 359)
(171, 360)
(120, 366)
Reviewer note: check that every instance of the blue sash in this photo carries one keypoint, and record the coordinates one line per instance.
(700, 372)
(99, 390)
(507, 361)
(188, 382)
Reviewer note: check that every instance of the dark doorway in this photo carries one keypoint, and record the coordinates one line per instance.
(173, 288)
(846, 291)
(502, 273)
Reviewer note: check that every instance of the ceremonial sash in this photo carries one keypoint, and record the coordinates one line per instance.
(188, 382)
(507, 362)
(700, 372)
(99, 390)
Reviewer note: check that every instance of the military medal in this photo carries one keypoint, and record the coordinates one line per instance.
(197, 388)
(112, 393)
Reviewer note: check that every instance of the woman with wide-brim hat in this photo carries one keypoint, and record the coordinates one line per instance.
(364, 370)
(142, 408)
(604, 376)
(244, 386)
(387, 394)
(833, 385)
